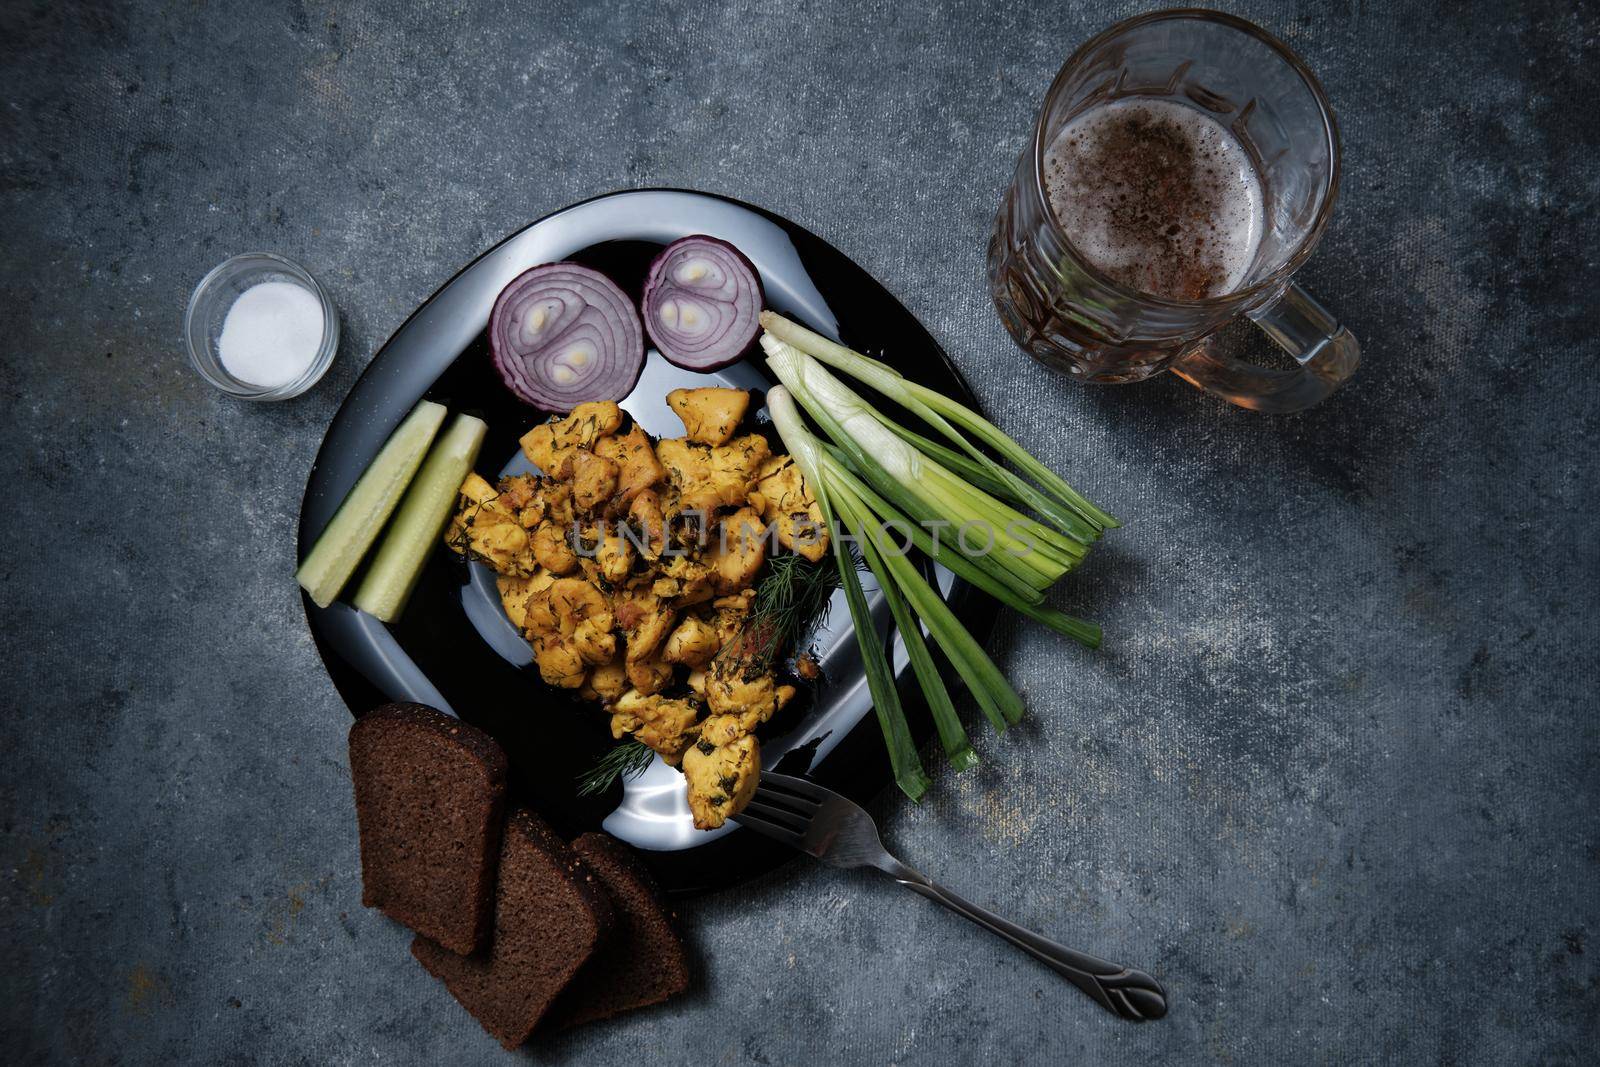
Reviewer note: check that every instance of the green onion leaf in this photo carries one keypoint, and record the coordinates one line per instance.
(989, 687)
(903, 758)
(938, 411)
(951, 733)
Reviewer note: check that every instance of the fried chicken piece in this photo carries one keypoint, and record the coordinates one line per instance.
(718, 730)
(557, 501)
(685, 581)
(786, 503)
(549, 445)
(709, 415)
(519, 492)
(721, 781)
(594, 479)
(666, 725)
(571, 619)
(613, 554)
(707, 477)
(738, 551)
(606, 682)
(637, 465)
(729, 614)
(649, 676)
(551, 549)
(515, 592)
(559, 663)
(645, 620)
(693, 643)
(738, 687)
(648, 525)
(486, 529)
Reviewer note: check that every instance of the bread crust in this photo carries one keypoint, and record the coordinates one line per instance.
(396, 753)
(551, 914)
(644, 963)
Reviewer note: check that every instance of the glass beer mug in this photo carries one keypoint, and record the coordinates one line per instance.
(1072, 316)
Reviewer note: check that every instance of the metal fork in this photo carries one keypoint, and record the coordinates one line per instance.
(808, 817)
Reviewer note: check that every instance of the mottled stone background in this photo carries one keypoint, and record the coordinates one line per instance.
(1333, 778)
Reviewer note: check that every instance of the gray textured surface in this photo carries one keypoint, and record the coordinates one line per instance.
(1334, 777)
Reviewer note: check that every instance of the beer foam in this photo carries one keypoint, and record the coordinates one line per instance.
(1157, 195)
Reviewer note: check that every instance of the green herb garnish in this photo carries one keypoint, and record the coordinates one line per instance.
(790, 604)
(626, 760)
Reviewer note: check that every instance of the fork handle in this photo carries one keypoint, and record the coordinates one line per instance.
(1123, 991)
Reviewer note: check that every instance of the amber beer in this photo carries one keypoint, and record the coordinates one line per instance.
(1157, 195)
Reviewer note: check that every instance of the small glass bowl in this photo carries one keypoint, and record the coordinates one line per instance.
(208, 307)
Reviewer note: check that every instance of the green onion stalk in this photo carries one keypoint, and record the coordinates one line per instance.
(1015, 549)
(897, 488)
(806, 452)
(940, 412)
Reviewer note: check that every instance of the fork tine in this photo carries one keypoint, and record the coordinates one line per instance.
(803, 788)
(792, 820)
(773, 794)
(787, 801)
(769, 828)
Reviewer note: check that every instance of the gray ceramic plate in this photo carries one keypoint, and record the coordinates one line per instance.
(454, 648)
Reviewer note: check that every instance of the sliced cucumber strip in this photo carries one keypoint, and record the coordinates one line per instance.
(416, 528)
(338, 551)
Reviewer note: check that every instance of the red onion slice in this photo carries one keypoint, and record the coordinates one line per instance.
(562, 335)
(702, 302)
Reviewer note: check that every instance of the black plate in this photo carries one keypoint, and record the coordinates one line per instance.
(454, 648)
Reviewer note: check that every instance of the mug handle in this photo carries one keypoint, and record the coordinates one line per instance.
(1328, 355)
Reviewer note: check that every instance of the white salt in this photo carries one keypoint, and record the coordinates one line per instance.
(271, 334)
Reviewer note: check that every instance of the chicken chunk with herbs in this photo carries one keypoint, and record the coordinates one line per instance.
(613, 554)
(722, 779)
(559, 662)
(486, 529)
(646, 525)
(722, 729)
(685, 581)
(646, 620)
(707, 477)
(594, 479)
(738, 687)
(572, 623)
(738, 551)
(548, 445)
(666, 725)
(710, 415)
(787, 504)
(606, 682)
(649, 676)
(552, 550)
(515, 592)
(637, 466)
(692, 644)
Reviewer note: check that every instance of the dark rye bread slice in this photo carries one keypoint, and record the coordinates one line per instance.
(550, 915)
(643, 962)
(429, 799)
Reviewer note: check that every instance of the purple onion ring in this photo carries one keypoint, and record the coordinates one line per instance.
(562, 334)
(702, 302)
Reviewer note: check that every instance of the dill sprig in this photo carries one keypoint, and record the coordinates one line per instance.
(625, 760)
(790, 605)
